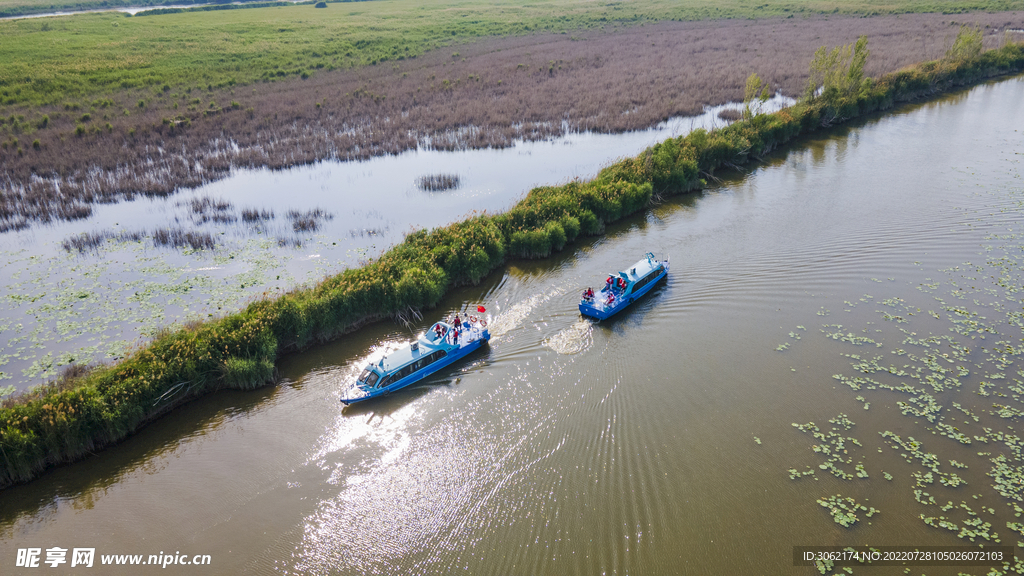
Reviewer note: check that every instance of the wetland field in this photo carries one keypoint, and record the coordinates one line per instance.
(100, 108)
(834, 360)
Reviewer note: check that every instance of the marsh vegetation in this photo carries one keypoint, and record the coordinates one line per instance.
(154, 140)
(438, 182)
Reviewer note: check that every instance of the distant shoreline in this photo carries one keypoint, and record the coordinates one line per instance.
(129, 7)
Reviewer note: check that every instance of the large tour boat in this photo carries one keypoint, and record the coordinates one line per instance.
(623, 288)
(443, 344)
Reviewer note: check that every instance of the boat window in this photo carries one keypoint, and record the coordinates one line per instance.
(369, 377)
(645, 280)
(384, 382)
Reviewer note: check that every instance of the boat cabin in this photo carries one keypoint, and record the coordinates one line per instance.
(622, 288)
(432, 347)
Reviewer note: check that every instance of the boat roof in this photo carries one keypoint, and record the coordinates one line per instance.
(638, 270)
(406, 354)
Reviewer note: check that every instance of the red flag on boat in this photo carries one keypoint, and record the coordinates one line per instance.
(481, 309)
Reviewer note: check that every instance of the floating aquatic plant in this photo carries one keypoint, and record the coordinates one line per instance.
(844, 510)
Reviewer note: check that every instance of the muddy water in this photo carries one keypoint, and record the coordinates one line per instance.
(884, 255)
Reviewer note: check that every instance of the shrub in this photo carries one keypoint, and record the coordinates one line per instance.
(530, 244)
(556, 235)
(839, 73)
(247, 373)
(966, 47)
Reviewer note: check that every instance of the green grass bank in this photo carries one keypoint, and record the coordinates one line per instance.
(69, 419)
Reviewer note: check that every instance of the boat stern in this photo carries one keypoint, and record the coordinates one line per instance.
(588, 309)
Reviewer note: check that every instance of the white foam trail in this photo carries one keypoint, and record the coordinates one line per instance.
(574, 339)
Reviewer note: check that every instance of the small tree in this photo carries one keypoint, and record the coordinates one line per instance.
(754, 96)
(966, 47)
(839, 73)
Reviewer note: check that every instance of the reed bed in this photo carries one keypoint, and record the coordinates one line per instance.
(487, 94)
(65, 422)
(308, 221)
(180, 238)
(207, 209)
(93, 240)
(162, 237)
(255, 216)
(730, 115)
(438, 182)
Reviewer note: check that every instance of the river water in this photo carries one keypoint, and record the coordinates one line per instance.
(863, 284)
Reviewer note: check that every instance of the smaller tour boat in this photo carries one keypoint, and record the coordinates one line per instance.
(623, 288)
(443, 344)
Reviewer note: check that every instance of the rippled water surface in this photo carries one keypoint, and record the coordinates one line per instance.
(863, 284)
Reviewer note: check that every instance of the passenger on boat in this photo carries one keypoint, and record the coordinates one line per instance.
(437, 330)
(455, 337)
(608, 284)
(588, 294)
(611, 298)
(457, 321)
(622, 284)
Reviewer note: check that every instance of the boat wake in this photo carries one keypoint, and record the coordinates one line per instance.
(574, 339)
(507, 320)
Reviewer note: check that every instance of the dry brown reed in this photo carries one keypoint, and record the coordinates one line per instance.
(438, 182)
(254, 215)
(92, 240)
(731, 115)
(179, 238)
(207, 209)
(490, 94)
(308, 221)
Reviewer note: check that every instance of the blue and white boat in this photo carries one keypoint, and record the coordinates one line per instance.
(623, 288)
(440, 346)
